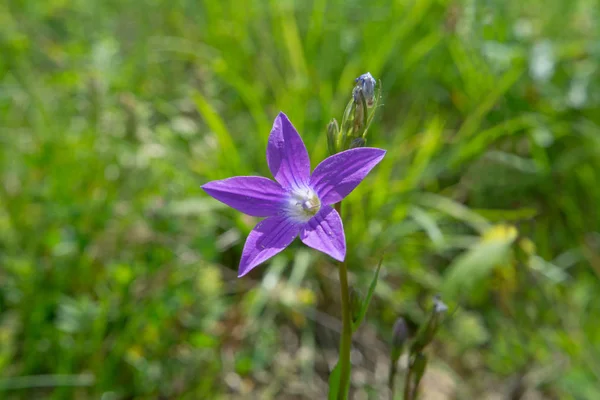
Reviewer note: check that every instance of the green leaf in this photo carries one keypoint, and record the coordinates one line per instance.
(334, 383)
(519, 214)
(365, 304)
(228, 153)
(471, 267)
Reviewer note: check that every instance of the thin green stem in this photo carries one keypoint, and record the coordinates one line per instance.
(346, 339)
(392, 378)
(407, 385)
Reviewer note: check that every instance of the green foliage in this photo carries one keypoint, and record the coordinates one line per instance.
(364, 303)
(469, 268)
(118, 275)
(334, 383)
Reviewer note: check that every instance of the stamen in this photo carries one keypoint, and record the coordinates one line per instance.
(303, 204)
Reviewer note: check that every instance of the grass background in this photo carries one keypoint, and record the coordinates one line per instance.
(117, 273)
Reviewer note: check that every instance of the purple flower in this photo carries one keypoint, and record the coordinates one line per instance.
(298, 202)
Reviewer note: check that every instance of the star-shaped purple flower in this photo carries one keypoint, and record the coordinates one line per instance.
(298, 202)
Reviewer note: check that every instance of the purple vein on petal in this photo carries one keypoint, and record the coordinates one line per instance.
(336, 176)
(286, 154)
(325, 232)
(253, 195)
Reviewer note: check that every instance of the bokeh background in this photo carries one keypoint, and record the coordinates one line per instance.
(118, 274)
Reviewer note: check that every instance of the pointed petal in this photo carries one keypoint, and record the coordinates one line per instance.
(338, 175)
(252, 195)
(268, 238)
(325, 232)
(286, 154)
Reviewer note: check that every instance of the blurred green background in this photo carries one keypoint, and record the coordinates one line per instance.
(118, 274)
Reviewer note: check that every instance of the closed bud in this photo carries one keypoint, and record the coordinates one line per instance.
(399, 337)
(367, 83)
(399, 333)
(428, 331)
(333, 133)
(439, 307)
(360, 112)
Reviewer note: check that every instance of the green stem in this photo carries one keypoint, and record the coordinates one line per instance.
(407, 391)
(392, 377)
(346, 338)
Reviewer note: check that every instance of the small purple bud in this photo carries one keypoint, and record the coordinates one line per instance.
(399, 333)
(429, 329)
(439, 306)
(367, 83)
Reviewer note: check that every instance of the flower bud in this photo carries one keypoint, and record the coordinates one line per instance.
(428, 331)
(399, 332)
(400, 335)
(367, 83)
(439, 306)
(333, 133)
(360, 112)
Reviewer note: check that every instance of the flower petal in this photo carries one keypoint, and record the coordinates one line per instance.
(286, 154)
(325, 232)
(269, 237)
(338, 175)
(253, 195)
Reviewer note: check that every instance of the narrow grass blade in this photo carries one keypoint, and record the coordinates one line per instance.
(365, 304)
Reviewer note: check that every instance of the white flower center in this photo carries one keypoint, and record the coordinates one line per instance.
(303, 204)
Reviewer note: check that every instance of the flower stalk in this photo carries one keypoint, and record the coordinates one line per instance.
(417, 360)
(400, 335)
(346, 338)
(351, 134)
